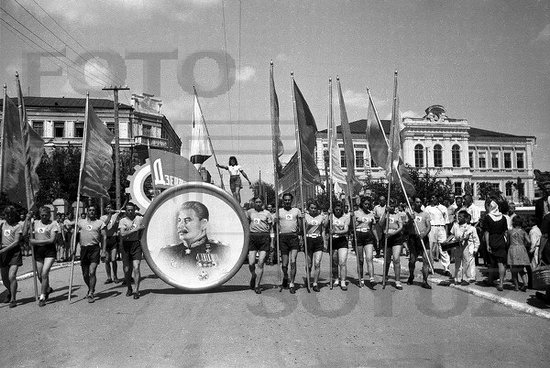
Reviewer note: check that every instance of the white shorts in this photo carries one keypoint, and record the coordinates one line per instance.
(438, 234)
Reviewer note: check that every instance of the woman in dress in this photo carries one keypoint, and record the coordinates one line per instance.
(495, 228)
(235, 171)
(518, 258)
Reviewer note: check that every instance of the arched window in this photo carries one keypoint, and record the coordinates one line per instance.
(438, 156)
(418, 156)
(456, 155)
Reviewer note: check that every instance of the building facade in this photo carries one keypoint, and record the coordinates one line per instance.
(60, 122)
(449, 148)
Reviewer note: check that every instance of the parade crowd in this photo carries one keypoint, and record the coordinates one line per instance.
(436, 231)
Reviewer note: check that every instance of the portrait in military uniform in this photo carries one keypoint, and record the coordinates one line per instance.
(195, 236)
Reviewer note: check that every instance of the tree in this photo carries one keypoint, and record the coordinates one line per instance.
(264, 190)
(486, 190)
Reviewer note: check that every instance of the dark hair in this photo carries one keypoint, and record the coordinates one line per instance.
(466, 215)
(288, 194)
(257, 197)
(233, 158)
(11, 215)
(517, 221)
(310, 202)
(44, 208)
(365, 199)
(200, 209)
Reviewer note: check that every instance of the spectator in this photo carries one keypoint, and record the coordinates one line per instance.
(494, 231)
(517, 252)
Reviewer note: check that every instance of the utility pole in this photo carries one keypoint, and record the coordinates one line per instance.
(115, 90)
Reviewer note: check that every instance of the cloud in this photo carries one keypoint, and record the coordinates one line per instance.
(544, 35)
(246, 73)
(411, 114)
(355, 99)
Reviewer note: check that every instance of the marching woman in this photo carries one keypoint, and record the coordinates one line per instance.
(11, 257)
(235, 171)
(315, 224)
(260, 221)
(339, 223)
(366, 238)
(495, 228)
(396, 239)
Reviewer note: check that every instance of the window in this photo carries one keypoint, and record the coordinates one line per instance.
(59, 129)
(343, 162)
(507, 160)
(79, 129)
(519, 160)
(359, 159)
(372, 164)
(456, 155)
(521, 189)
(438, 156)
(38, 127)
(326, 157)
(418, 156)
(471, 159)
(494, 160)
(482, 160)
(458, 188)
(496, 187)
(146, 130)
(509, 189)
(111, 127)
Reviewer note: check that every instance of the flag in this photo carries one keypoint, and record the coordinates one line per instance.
(378, 145)
(34, 149)
(277, 148)
(336, 173)
(351, 180)
(394, 144)
(169, 169)
(13, 154)
(307, 130)
(200, 149)
(97, 163)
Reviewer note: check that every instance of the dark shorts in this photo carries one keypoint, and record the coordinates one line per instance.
(415, 246)
(131, 251)
(235, 182)
(89, 254)
(398, 239)
(364, 238)
(44, 251)
(111, 249)
(259, 242)
(314, 244)
(288, 242)
(339, 242)
(12, 257)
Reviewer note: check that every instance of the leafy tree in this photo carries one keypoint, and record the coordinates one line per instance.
(264, 190)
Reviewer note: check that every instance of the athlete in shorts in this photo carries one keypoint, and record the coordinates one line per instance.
(130, 229)
(315, 222)
(259, 242)
(421, 226)
(111, 220)
(289, 222)
(396, 238)
(365, 223)
(11, 257)
(44, 240)
(339, 223)
(92, 241)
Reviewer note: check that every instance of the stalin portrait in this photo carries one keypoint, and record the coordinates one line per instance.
(196, 256)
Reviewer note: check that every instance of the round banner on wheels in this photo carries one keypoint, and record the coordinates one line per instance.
(195, 237)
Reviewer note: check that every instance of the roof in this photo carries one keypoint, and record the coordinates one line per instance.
(360, 127)
(69, 102)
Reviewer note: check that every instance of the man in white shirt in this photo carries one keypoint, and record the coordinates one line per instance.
(438, 232)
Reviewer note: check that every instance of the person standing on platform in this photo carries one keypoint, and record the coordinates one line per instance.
(259, 242)
(316, 223)
(44, 239)
(290, 223)
(111, 220)
(130, 228)
(438, 233)
(92, 242)
(235, 171)
(421, 226)
(365, 223)
(11, 257)
(339, 223)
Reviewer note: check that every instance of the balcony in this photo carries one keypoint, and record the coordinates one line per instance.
(150, 141)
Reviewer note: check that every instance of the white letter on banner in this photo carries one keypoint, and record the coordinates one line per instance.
(157, 172)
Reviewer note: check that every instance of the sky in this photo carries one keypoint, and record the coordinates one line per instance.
(486, 61)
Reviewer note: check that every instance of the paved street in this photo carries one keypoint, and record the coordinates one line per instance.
(234, 327)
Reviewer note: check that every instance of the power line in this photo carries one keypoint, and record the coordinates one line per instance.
(112, 78)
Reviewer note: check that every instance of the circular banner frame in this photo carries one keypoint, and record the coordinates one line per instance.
(195, 237)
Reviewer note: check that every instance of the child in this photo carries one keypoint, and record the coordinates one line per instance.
(467, 236)
(518, 258)
(235, 172)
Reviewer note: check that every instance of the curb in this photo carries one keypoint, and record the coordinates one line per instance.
(517, 306)
(28, 275)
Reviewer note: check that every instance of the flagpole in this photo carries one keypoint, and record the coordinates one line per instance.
(209, 140)
(2, 149)
(301, 175)
(275, 155)
(400, 181)
(82, 160)
(331, 186)
(349, 182)
(28, 180)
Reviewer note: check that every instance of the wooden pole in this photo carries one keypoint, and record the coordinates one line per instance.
(330, 132)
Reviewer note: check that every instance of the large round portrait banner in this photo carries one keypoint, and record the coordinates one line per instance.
(195, 236)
